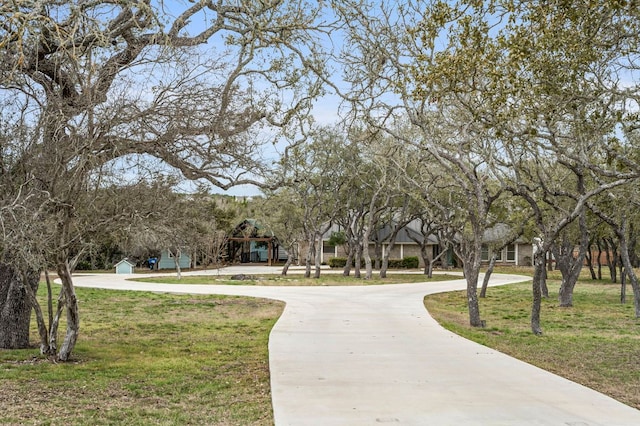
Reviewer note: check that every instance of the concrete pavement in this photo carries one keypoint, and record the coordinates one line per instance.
(372, 355)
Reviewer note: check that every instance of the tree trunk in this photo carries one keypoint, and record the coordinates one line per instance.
(471, 273)
(623, 287)
(318, 257)
(347, 266)
(433, 261)
(470, 254)
(49, 297)
(42, 326)
(633, 241)
(358, 259)
(537, 295)
(612, 258)
(589, 257)
(288, 263)
(539, 277)
(428, 265)
(15, 307)
(487, 275)
(543, 284)
(53, 328)
(378, 255)
(570, 266)
(311, 254)
(367, 256)
(73, 317)
(599, 259)
(626, 260)
(392, 243)
(176, 260)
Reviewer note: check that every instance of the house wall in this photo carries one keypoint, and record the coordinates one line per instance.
(400, 251)
(167, 262)
(525, 254)
(124, 268)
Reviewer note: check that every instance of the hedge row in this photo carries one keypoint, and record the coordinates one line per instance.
(410, 262)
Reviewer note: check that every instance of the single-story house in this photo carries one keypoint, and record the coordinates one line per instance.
(406, 244)
(408, 238)
(517, 253)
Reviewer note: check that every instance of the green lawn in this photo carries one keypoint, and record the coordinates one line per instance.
(596, 342)
(298, 280)
(146, 358)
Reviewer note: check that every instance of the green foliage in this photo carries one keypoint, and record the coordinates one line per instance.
(410, 262)
(337, 239)
(337, 262)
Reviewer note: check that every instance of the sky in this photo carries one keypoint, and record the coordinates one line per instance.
(325, 110)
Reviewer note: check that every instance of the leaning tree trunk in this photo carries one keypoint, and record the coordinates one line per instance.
(15, 307)
(73, 316)
(487, 275)
(290, 258)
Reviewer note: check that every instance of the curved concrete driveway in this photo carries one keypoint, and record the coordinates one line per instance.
(373, 355)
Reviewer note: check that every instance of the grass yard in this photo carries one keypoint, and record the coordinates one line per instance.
(595, 343)
(146, 358)
(165, 359)
(298, 280)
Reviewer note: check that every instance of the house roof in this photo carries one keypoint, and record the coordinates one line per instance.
(125, 261)
(499, 233)
(409, 234)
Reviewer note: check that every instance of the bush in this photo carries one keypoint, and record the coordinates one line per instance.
(410, 262)
(337, 262)
(395, 264)
(84, 265)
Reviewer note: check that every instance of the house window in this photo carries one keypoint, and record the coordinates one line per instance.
(511, 253)
(485, 253)
(328, 249)
(499, 255)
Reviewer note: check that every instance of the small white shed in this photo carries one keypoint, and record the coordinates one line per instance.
(124, 267)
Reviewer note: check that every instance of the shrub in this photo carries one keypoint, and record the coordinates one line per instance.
(410, 262)
(395, 264)
(337, 262)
